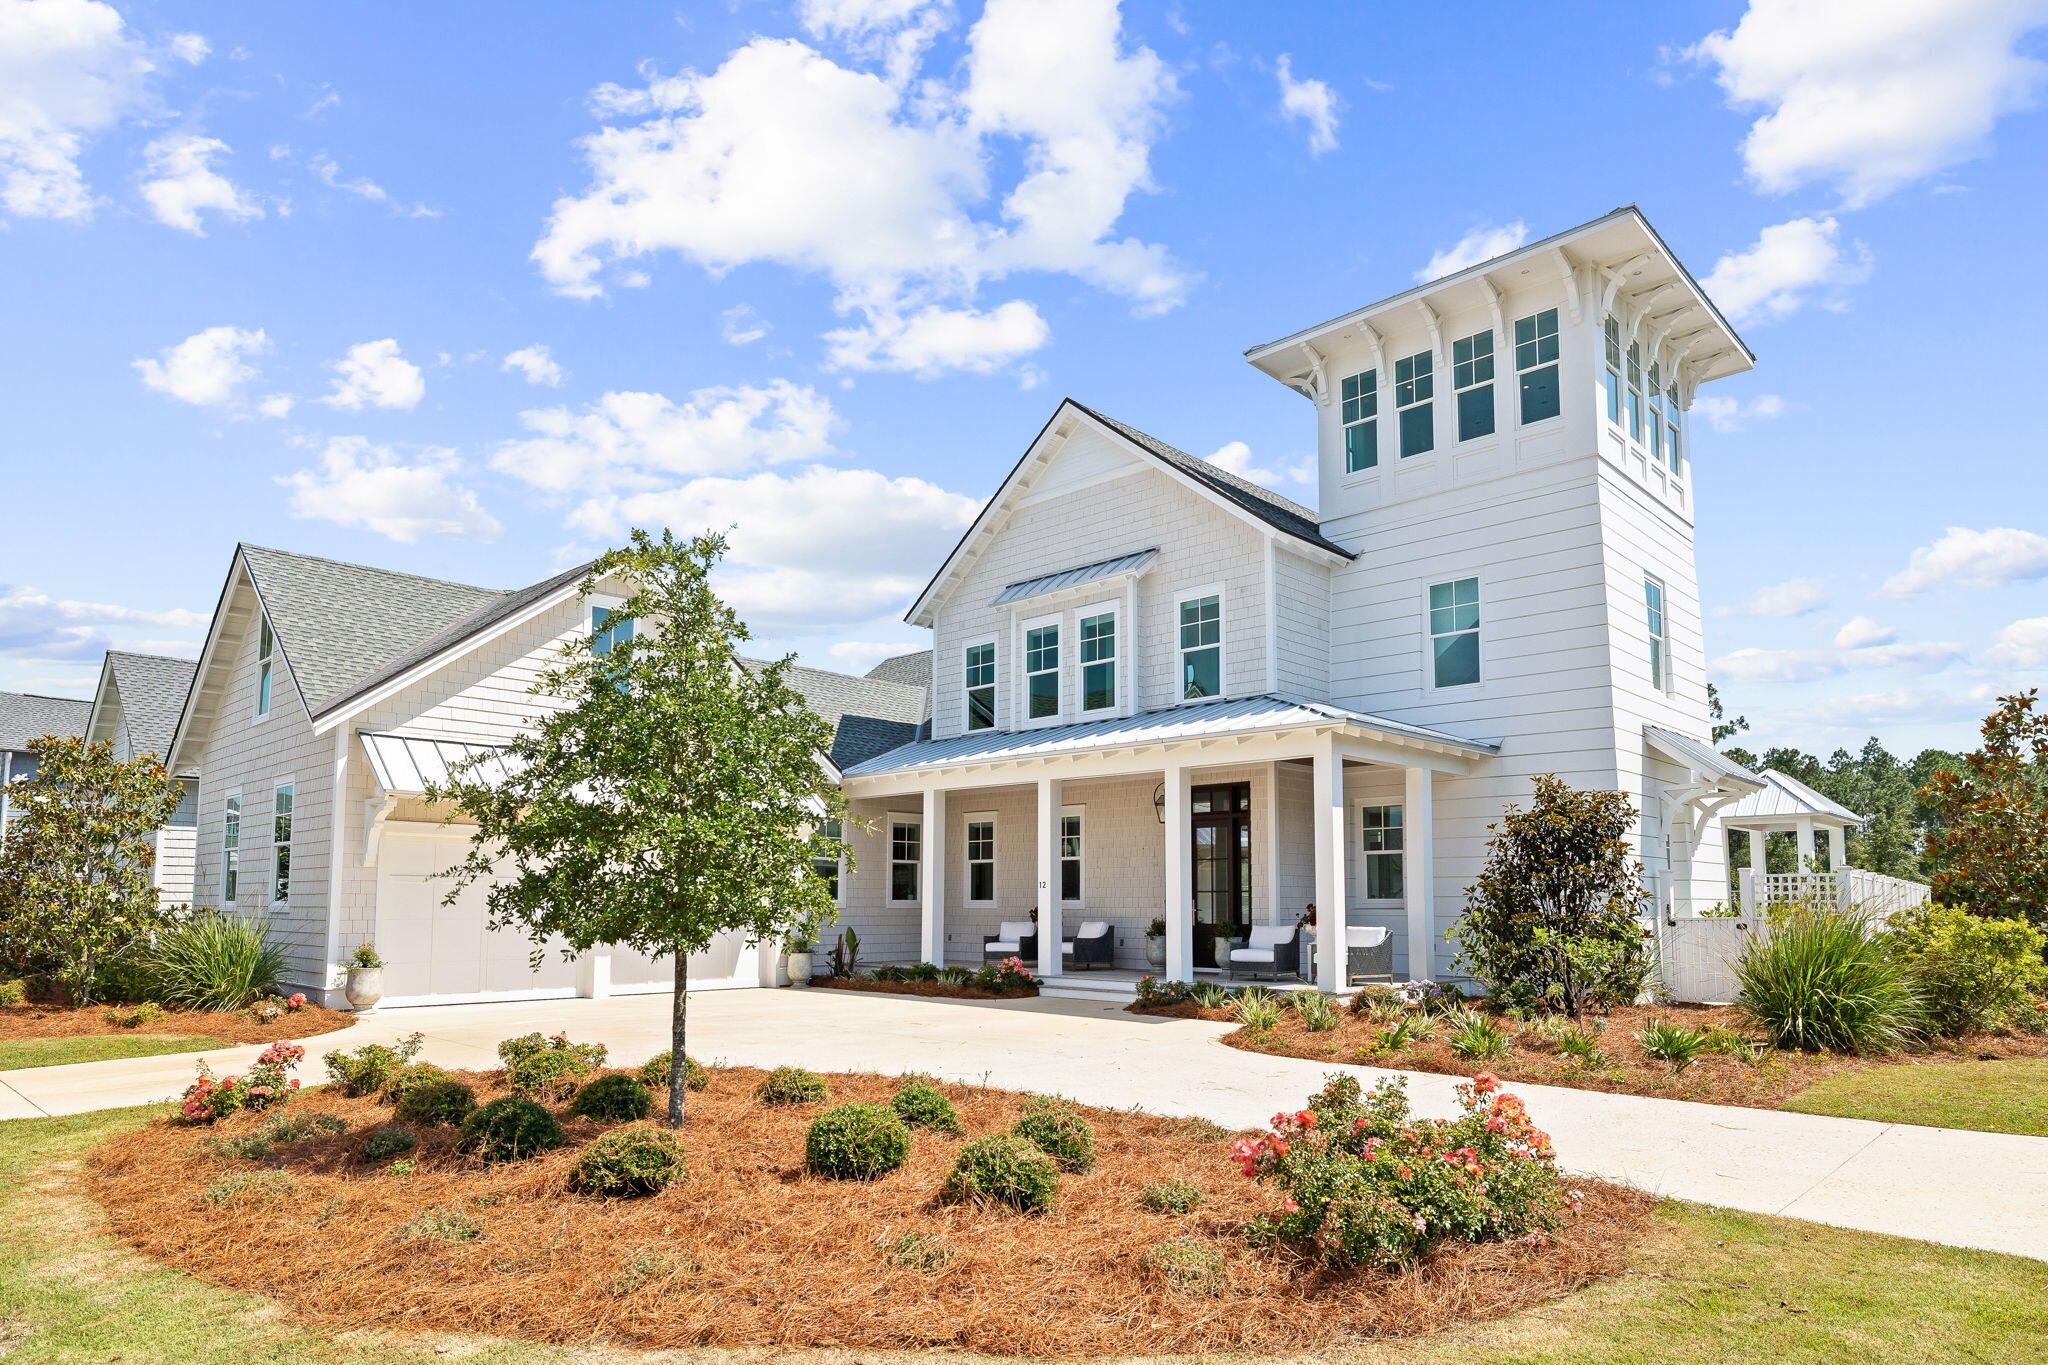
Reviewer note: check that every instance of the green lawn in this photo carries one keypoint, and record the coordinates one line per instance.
(1993, 1097)
(16, 1053)
(1713, 1286)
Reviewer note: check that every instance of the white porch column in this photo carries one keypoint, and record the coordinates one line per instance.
(1838, 847)
(1418, 870)
(1759, 844)
(1177, 876)
(1050, 930)
(931, 877)
(1805, 842)
(1333, 842)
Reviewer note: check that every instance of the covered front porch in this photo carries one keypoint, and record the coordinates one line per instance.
(1222, 821)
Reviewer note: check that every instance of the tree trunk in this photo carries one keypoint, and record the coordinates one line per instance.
(678, 1016)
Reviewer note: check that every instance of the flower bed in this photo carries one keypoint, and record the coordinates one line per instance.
(752, 1249)
(228, 1026)
(1009, 979)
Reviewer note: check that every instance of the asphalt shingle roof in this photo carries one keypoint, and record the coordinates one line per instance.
(868, 715)
(25, 717)
(152, 689)
(911, 670)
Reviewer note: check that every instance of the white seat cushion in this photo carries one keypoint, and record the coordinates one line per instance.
(1092, 928)
(1251, 954)
(1366, 935)
(1271, 936)
(1067, 947)
(1016, 929)
(1000, 946)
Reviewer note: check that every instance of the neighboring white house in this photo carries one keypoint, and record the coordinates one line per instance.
(135, 708)
(24, 719)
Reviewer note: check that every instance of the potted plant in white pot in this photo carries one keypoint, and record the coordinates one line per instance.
(1155, 944)
(365, 979)
(800, 962)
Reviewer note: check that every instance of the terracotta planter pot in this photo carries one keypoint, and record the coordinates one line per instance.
(365, 988)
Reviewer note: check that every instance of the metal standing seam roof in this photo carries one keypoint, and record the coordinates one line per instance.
(1199, 720)
(152, 689)
(1699, 754)
(1785, 797)
(26, 717)
(1133, 563)
(407, 763)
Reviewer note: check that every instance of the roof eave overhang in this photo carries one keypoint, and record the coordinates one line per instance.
(208, 657)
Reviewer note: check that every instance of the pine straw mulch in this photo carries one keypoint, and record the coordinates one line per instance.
(1713, 1078)
(64, 1021)
(749, 1251)
(938, 989)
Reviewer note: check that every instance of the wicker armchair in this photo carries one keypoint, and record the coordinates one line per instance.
(1092, 945)
(1013, 938)
(1271, 949)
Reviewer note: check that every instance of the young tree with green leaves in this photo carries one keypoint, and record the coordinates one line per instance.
(77, 881)
(1990, 854)
(677, 794)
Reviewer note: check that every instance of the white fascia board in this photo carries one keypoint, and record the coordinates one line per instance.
(237, 569)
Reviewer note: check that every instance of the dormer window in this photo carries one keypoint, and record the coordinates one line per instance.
(1414, 386)
(1361, 421)
(266, 645)
(1098, 661)
(1042, 671)
(1472, 378)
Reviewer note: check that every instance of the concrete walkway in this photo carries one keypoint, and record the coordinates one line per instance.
(1985, 1190)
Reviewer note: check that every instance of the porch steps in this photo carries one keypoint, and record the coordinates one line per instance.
(1078, 986)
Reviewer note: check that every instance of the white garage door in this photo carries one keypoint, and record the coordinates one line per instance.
(439, 953)
(730, 961)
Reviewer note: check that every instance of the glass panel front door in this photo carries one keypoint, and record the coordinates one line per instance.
(1220, 838)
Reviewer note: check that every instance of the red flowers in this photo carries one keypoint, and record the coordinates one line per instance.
(297, 1001)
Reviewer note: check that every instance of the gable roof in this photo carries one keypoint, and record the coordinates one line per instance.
(151, 689)
(1701, 756)
(26, 717)
(912, 670)
(868, 715)
(1784, 796)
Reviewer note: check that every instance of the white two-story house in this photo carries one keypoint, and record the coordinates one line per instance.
(1161, 692)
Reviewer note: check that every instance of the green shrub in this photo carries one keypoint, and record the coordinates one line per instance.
(654, 1072)
(1477, 1038)
(135, 1016)
(1188, 1265)
(441, 1225)
(1404, 1032)
(856, 1142)
(515, 1050)
(370, 1068)
(288, 1128)
(1373, 998)
(553, 1075)
(446, 1102)
(792, 1085)
(1314, 1009)
(1258, 1013)
(1002, 1169)
(402, 1169)
(249, 1187)
(1976, 973)
(1819, 981)
(1171, 1196)
(921, 1104)
(211, 961)
(393, 1139)
(410, 1077)
(616, 1098)
(1060, 1133)
(1582, 1050)
(1210, 995)
(1675, 1046)
(917, 1251)
(12, 993)
(625, 1163)
(510, 1129)
(955, 976)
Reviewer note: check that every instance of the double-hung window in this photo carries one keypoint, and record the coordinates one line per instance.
(906, 853)
(1361, 421)
(980, 677)
(1635, 391)
(1042, 671)
(281, 840)
(1070, 857)
(1656, 393)
(1380, 843)
(1201, 646)
(1673, 420)
(1610, 373)
(231, 849)
(608, 630)
(1472, 378)
(1098, 661)
(266, 646)
(1454, 632)
(1414, 386)
(1660, 648)
(981, 860)
(825, 857)
(1536, 365)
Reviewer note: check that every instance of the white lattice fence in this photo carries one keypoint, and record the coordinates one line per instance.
(1696, 957)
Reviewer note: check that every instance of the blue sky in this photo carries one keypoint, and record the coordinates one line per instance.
(464, 289)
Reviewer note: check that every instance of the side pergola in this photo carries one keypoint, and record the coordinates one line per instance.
(1787, 805)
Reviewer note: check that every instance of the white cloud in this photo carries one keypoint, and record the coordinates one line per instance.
(934, 340)
(374, 373)
(1480, 244)
(1733, 414)
(1860, 632)
(35, 624)
(277, 405)
(1896, 706)
(783, 155)
(69, 69)
(1794, 597)
(858, 656)
(1963, 558)
(329, 171)
(1870, 97)
(190, 48)
(740, 325)
(371, 486)
(536, 364)
(644, 440)
(1791, 265)
(1808, 665)
(1313, 102)
(207, 367)
(183, 184)
(2023, 644)
(894, 32)
(1236, 457)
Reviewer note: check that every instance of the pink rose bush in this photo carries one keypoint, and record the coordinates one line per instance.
(1367, 1185)
(262, 1086)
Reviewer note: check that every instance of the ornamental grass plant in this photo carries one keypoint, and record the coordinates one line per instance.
(1820, 981)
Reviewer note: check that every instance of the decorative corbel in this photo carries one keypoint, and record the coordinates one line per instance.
(376, 810)
(1568, 275)
(1319, 375)
(1500, 326)
(1379, 353)
(1436, 332)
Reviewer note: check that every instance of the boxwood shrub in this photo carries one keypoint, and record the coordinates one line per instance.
(1002, 1169)
(654, 1072)
(510, 1129)
(792, 1085)
(616, 1098)
(410, 1077)
(856, 1142)
(921, 1104)
(1060, 1133)
(627, 1162)
(554, 1075)
(443, 1101)
(393, 1139)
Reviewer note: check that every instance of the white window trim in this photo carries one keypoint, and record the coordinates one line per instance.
(1357, 854)
(1660, 680)
(995, 684)
(1516, 371)
(981, 817)
(1079, 813)
(1215, 590)
(1023, 719)
(1120, 706)
(259, 711)
(277, 785)
(839, 870)
(890, 859)
(1480, 442)
(1382, 393)
(1429, 687)
(232, 794)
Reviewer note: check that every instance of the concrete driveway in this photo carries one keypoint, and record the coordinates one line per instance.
(1984, 1190)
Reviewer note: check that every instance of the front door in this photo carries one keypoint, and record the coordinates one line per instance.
(1220, 836)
